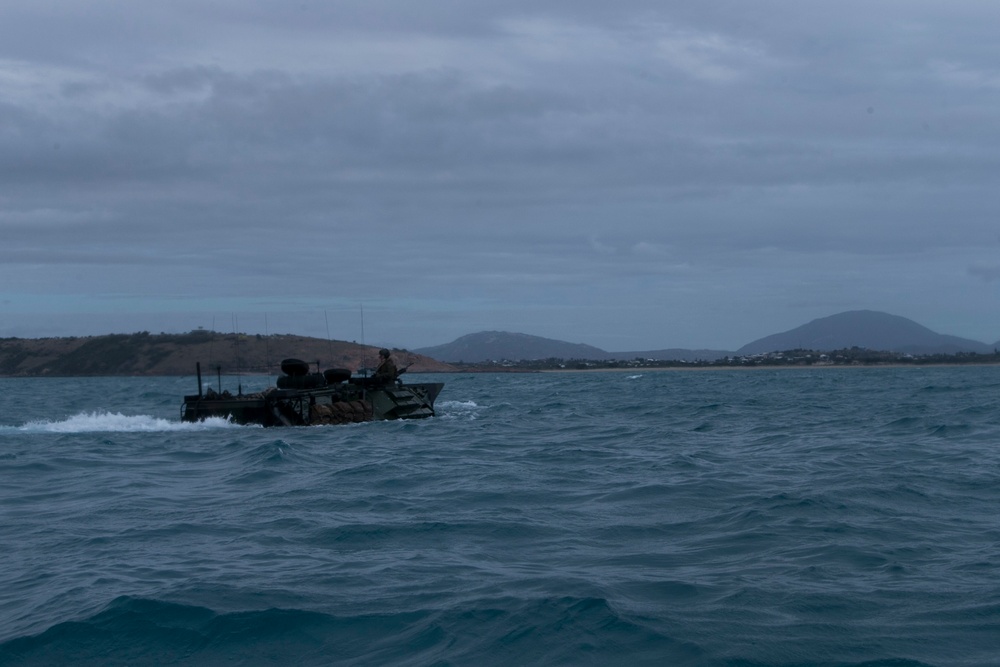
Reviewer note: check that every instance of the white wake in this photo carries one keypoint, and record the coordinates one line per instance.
(116, 422)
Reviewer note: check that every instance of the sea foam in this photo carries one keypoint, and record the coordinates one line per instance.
(106, 422)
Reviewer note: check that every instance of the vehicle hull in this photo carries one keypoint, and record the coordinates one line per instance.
(310, 400)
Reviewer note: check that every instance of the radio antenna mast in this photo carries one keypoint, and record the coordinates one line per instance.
(329, 341)
(267, 352)
(364, 347)
(239, 369)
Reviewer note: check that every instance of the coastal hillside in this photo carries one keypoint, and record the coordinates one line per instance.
(866, 329)
(145, 354)
(502, 345)
(498, 345)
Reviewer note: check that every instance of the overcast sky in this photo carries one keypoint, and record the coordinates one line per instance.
(631, 175)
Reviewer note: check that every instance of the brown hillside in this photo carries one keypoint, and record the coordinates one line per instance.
(176, 354)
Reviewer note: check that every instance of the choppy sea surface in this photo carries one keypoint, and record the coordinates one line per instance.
(844, 516)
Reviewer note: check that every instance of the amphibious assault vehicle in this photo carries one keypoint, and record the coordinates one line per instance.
(304, 398)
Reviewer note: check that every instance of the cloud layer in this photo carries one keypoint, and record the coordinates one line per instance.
(635, 177)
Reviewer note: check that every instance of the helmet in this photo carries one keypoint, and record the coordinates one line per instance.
(383, 352)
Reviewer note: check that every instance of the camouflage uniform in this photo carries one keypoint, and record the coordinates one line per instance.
(386, 371)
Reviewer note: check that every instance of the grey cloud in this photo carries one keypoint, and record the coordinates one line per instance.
(507, 153)
(986, 273)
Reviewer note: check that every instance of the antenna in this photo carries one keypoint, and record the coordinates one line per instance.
(211, 344)
(364, 347)
(267, 354)
(329, 342)
(239, 376)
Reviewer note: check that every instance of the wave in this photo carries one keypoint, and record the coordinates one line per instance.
(498, 631)
(457, 405)
(551, 631)
(464, 410)
(116, 422)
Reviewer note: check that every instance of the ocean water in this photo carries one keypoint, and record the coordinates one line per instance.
(843, 516)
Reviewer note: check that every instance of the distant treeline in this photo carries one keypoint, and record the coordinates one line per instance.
(854, 356)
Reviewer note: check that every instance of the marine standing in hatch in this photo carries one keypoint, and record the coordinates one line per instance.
(386, 371)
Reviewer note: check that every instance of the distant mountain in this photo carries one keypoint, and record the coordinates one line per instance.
(867, 329)
(176, 354)
(859, 328)
(499, 345)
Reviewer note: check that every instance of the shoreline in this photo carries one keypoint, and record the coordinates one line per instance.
(788, 367)
(529, 371)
